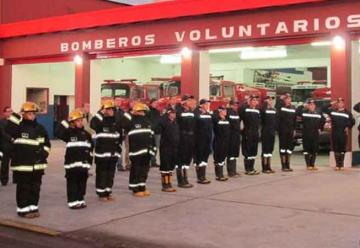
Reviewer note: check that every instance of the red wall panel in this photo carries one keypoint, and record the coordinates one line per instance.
(22, 10)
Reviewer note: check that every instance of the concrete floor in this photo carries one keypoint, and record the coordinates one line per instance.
(298, 209)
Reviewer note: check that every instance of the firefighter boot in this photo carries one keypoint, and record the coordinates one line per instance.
(231, 168)
(180, 178)
(168, 187)
(312, 161)
(283, 162)
(308, 161)
(288, 156)
(268, 162)
(337, 160)
(252, 169)
(203, 179)
(264, 165)
(341, 160)
(219, 173)
(186, 181)
(164, 184)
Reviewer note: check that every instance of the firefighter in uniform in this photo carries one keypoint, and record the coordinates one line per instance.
(169, 148)
(286, 129)
(221, 142)
(107, 148)
(235, 140)
(341, 123)
(141, 148)
(30, 149)
(186, 121)
(313, 122)
(250, 116)
(78, 157)
(203, 135)
(268, 130)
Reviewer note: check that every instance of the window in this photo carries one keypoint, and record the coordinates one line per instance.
(228, 91)
(106, 93)
(214, 90)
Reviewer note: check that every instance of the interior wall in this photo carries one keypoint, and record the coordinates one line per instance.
(58, 77)
(243, 70)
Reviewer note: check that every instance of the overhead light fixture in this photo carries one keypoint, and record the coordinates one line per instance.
(338, 42)
(321, 43)
(78, 60)
(142, 56)
(170, 59)
(226, 50)
(186, 52)
(263, 53)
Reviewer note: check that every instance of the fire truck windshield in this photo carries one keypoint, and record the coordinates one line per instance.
(115, 90)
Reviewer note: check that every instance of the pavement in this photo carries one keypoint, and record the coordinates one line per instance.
(298, 209)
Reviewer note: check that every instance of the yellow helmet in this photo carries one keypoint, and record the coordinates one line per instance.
(75, 115)
(29, 107)
(108, 104)
(139, 106)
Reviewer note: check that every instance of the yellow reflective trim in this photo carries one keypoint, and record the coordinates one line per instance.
(29, 168)
(15, 120)
(26, 142)
(41, 140)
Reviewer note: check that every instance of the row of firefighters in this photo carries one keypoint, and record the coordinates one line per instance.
(188, 132)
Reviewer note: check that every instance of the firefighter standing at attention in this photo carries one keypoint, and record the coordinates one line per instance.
(78, 157)
(107, 148)
(235, 141)
(141, 148)
(268, 131)
(341, 123)
(169, 148)
(29, 152)
(250, 116)
(221, 142)
(313, 122)
(286, 115)
(186, 120)
(203, 135)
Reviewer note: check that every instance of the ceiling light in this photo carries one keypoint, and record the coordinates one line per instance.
(321, 43)
(186, 52)
(170, 59)
(78, 60)
(338, 42)
(263, 53)
(227, 50)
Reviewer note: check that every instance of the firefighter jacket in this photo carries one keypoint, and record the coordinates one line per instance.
(186, 120)
(203, 126)
(268, 120)
(341, 119)
(108, 137)
(30, 145)
(170, 134)
(286, 116)
(251, 120)
(79, 146)
(234, 119)
(141, 136)
(312, 121)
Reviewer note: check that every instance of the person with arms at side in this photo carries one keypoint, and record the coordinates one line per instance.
(268, 131)
(154, 116)
(141, 148)
(31, 147)
(251, 119)
(220, 142)
(6, 146)
(341, 123)
(78, 157)
(107, 149)
(235, 139)
(203, 136)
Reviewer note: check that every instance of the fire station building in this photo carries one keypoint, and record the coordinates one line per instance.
(62, 60)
